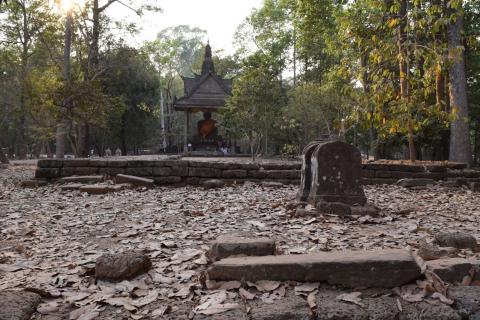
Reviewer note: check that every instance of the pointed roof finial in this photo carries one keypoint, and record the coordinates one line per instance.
(208, 66)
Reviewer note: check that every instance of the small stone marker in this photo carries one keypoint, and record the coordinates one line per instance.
(138, 181)
(121, 266)
(118, 152)
(332, 179)
(108, 152)
(381, 268)
(227, 245)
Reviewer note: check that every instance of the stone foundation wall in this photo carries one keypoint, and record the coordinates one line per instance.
(172, 171)
(194, 172)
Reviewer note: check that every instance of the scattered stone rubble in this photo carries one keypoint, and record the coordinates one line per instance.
(121, 266)
(452, 293)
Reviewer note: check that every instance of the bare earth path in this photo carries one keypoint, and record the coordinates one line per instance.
(50, 239)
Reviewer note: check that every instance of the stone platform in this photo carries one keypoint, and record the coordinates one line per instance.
(167, 170)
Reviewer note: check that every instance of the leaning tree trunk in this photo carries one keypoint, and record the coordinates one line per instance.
(460, 148)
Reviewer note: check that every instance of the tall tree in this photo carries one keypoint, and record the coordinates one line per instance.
(460, 147)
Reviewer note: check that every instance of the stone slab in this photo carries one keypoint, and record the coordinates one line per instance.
(453, 270)
(138, 181)
(71, 186)
(47, 173)
(81, 179)
(226, 246)
(410, 183)
(380, 268)
(18, 305)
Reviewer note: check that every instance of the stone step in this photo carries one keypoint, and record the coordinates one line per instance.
(138, 181)
(81, 179)
(382, 268)
(228, 245)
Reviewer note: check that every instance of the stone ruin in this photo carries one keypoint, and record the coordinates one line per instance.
(332, 179)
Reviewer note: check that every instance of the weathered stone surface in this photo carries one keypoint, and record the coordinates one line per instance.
(458, 240)
(167, 180)
(81, 179)
(382, 268)
(140, 171)
(336, 174)
(18, 305)
(430, 251)
(213, 183)
(410, 183)
(86, 171)
(47, 173)
(34, 183)
(378, 306)
(258, 174)
(454, 269)
(117, 164)
(162, 171)
(272, 184)
(282, 174)
(234, 174)
(49, 163)
(204, 172)
(104, 188)
(67, 171)
(467, 301)
(181, 171)
(393, 174)
(121, 266)
(111, 171)
(426, 311)
(137, 181)
(228, 245)
(76, 163)
(378, 181)
(71, 186)
(290, 307)
(330, 308)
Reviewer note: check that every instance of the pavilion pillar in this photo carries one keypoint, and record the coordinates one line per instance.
(187, 124)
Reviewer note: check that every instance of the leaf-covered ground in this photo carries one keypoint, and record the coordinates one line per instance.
(50, 238)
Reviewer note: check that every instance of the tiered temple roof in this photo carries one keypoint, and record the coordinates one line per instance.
(205, 92)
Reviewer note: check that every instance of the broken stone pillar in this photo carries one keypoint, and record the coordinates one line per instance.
(333, 180)
(306, 180)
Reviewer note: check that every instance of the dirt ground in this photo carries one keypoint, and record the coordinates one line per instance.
(50, 239)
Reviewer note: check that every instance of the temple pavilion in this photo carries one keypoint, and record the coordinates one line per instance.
(206, 93)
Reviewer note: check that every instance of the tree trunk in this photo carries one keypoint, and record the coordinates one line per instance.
(460, 148)
(404, 72)
(61, 126)
(21, 141)
(3, 157)
(82, 137)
